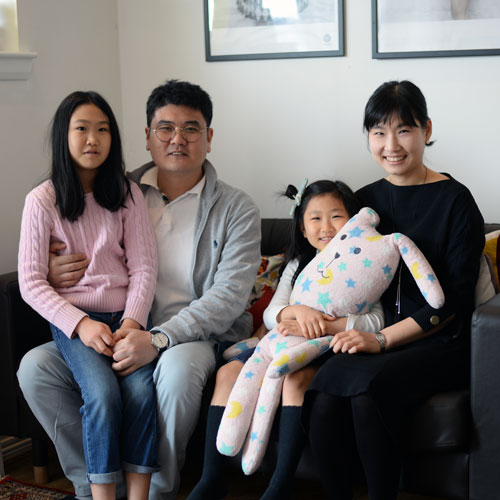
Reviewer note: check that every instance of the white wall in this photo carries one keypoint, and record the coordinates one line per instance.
(77, 46)
(276, 121)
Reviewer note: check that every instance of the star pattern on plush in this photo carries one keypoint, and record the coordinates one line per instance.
(360, 307)
(431, 278)
(280, 346)
(243, 346)
(367, 262)
(356, 232)
(342, 266)
(386, 250)
(387, 269)
(350, 283)
(225, 449)
(324, 299)
(261, 410)
(249, 374)
(306, 286)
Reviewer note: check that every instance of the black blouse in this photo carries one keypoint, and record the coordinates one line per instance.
(443, 219)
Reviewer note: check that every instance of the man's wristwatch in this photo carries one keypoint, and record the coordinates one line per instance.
(160, 341)
(381, 340)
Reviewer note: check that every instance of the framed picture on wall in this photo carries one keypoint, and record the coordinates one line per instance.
(435, 28)
(273, 29)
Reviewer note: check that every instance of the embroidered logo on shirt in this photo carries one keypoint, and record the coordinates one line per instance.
(216, 243)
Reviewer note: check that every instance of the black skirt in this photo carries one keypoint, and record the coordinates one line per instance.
(398, 380)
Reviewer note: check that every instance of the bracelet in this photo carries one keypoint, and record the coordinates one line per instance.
(381, 340)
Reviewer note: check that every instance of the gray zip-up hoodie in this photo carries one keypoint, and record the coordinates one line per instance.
(225, 261)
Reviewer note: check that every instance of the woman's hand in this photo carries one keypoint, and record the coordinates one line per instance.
(96, 335)
(352, 341)
(312, 324)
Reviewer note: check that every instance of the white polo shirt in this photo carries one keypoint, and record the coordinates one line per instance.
(174, 224)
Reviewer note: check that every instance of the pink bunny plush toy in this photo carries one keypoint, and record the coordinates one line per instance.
(348, 276)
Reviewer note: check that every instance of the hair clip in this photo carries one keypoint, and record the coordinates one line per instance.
(297, 198)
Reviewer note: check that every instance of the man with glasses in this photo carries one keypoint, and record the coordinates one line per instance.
(208, 237)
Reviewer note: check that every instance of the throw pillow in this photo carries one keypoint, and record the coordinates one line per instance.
(492, 249)
(267, 276)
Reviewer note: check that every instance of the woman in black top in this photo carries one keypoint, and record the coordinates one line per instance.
(364, 395)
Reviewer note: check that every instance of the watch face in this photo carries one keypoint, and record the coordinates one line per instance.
(160, 340)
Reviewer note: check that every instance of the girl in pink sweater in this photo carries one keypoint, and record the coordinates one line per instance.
(90, 206)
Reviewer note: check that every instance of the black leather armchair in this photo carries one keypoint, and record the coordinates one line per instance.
(454, 449)
(21, 329)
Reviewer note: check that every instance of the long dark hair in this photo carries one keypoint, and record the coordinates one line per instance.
(111, 186)
(403, 99)
(299, 247)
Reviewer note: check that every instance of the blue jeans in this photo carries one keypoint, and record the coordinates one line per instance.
(119, 422)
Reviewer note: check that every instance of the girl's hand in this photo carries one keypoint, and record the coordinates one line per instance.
(289, 327)
(96, 335)
(127, 324)
(352, 341)
(312, 323)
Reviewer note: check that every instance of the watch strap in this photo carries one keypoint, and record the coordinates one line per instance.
(381, 341)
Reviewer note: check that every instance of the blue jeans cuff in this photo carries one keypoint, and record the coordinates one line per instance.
(105, 478)
(140, 469)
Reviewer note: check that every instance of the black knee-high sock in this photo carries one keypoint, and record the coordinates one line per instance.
(292, 439)
(377, 449)
(211, 485)
(328, 423)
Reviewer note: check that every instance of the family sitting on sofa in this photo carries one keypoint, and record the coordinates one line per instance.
(96, 230)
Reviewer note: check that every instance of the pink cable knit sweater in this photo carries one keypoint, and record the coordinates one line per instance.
(122, 248)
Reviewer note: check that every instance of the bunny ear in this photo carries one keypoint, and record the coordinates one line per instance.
(421, 270)
(369, 216)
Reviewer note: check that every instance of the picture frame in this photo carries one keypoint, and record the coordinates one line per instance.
(435, 28)
(273, 29)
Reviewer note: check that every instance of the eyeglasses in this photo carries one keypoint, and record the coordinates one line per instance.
(190, 133)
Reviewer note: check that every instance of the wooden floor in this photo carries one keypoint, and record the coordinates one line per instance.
(240, 486)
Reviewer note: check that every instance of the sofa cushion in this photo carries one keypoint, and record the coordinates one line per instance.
(486, 286)
(442, 423)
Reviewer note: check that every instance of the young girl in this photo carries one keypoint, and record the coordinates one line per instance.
(319, 212)
(90, 206)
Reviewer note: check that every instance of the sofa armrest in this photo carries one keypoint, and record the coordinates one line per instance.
(21, 329)
(485, 401)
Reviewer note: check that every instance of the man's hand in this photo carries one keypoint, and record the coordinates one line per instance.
(65, 270)
(96, 335)
(133, 349)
